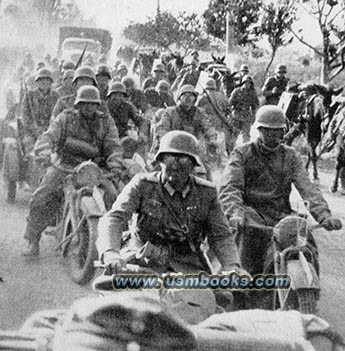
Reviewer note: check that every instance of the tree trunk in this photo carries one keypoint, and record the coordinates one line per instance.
(324, 76)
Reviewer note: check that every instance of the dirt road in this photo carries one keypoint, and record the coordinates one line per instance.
(31, 285)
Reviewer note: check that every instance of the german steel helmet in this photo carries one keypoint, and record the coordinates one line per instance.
(103, 70)
(244, 68)
(128, 82)
(179, 142)
(247, 78)
(163, 85)
(270, 116)
(44, 73)
(188, 88)
(84, 71)
(117, 87)
(88, 93)
(281, 69)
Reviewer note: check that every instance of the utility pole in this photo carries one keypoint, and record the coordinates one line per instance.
(158, 8)
(230, 47)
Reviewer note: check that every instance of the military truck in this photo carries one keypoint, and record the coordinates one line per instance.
(73, 40)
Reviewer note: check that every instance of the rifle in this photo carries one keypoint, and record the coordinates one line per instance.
(219, 114)
(80, 60)
(31, 108)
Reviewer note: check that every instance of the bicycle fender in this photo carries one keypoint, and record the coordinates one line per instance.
(302, 276)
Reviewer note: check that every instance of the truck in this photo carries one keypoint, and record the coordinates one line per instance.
(73, 40)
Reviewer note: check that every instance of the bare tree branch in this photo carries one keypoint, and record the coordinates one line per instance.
(304, 42)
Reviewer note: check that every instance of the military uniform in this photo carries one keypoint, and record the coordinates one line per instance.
(138, 99)
(68, 102)
(256, 187)
(194, 121)
(36, 112)
(121, 113)
(215, 103)
(65, 90)
(101, 141)
(244, 103)
(197, 207)
(274, 82)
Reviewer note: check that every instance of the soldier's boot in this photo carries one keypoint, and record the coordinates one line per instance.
(32, 249)
(32, 236)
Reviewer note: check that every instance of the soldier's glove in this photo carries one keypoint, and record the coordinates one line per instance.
(113, 262)
(331, 223)
(235, 269)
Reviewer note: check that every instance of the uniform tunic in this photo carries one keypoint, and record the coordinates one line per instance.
(101, 134)
(197, 207)
(256, 187)
(274, 82)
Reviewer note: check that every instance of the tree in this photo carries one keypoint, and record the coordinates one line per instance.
(164, 30)
(329, 16)
(244, 17)
(276, 21)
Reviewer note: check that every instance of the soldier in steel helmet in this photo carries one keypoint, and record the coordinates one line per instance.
(103, 77)
(37, 108)
(135, 96)
(243, 103)
(67, 87)
(121, 110)
(275, 85)
(185, 116)
(78, 134)
(176, 212)
(158, 73)
(216, 107)
(256, 187)
(84, 75)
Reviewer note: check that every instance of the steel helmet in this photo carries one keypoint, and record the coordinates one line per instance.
(270, 116)
(122, 67)
(163, 85)
(159, 67)
(128, 82)
(179, 142)
(247, 78)
(244, 68)
(117, 87)
(188, 88)
(68, 65)
(44, 73)
(86, 72)
(88, 93)
(211, 84)
(281, 69)
(103, 70)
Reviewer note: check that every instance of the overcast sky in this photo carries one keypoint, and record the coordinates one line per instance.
(116, 14)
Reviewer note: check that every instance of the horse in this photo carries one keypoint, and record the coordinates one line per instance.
(308, 121)
(173, 65)
(222, 74)
(142, 64)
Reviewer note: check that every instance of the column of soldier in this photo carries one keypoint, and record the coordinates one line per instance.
(164, 141)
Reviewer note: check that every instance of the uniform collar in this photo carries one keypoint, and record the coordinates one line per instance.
(171, 190)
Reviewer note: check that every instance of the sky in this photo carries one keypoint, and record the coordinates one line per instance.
(116, 14)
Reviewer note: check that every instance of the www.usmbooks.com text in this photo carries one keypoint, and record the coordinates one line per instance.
(202, 280)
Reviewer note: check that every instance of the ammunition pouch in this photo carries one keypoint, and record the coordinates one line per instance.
(79, 148)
